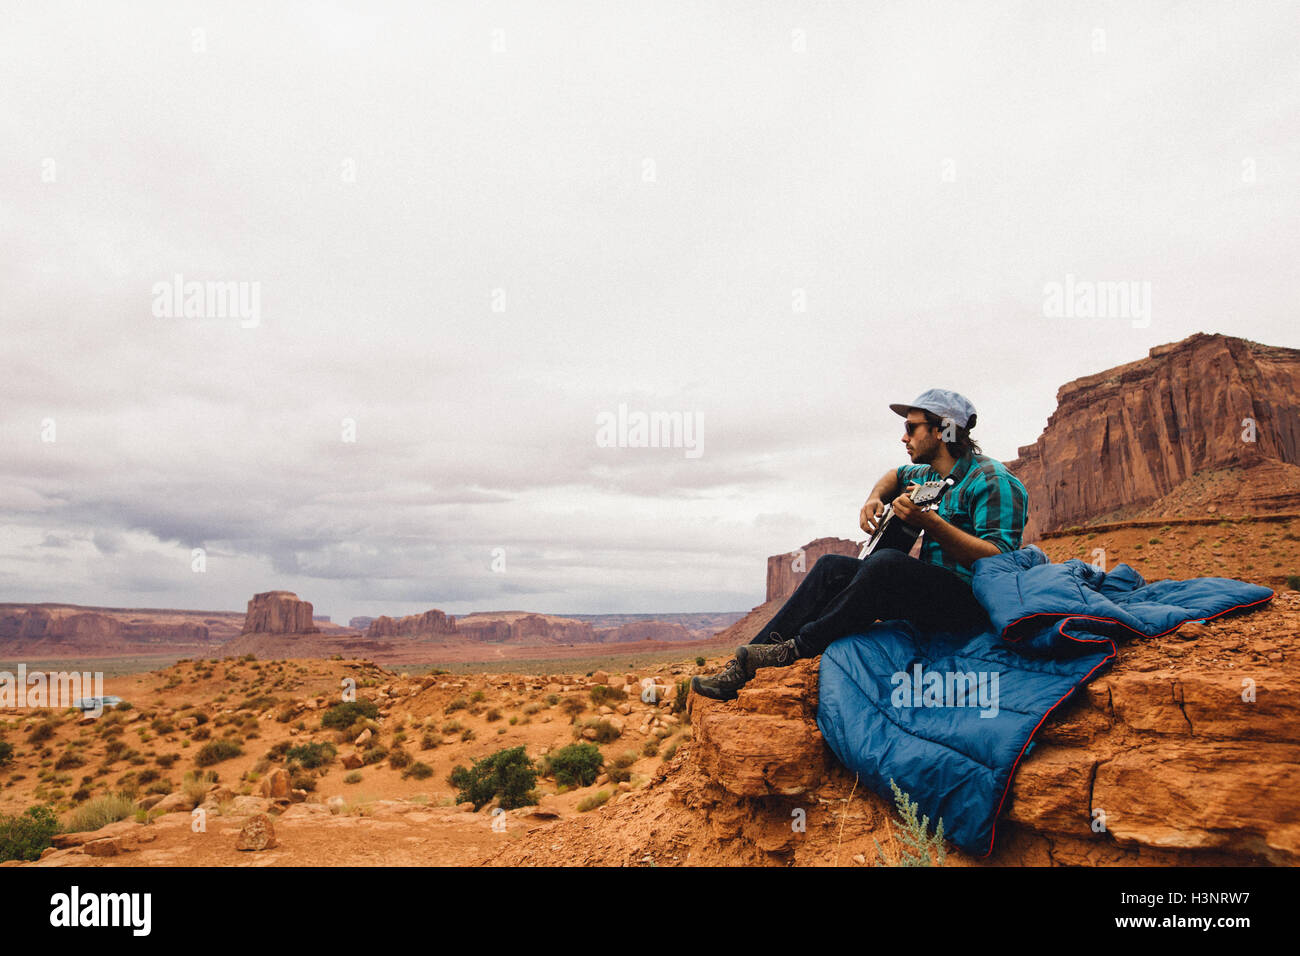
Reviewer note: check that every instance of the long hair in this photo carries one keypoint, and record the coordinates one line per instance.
(962, 442)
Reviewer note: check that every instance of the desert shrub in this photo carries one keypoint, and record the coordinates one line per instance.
(418, 770)
(147, 776)
(6, 752)
(398, 758)
(493, 715)
(916, 842)
(452, 727)
(42, 732)
(552, 700)
(600, 694)
(311, 755)
(460, 703)
(1293, 582)
(595, 800)
(302, 779)
(573, 706)
(467, 733)
(577, 765)
(532, 707)
(683, 692)
(26, 836)
(354, 776)
(68, 760)
(345, 715)
(429, 740)
(161, 726)
(605, 731)
(196, 785)
(215, 751)
(650, 748)
(166, 760)
(200, 733)
(508, 775)
(100, 812)
(477, 697)
(668, 754)
(699, 662)
(374, 755)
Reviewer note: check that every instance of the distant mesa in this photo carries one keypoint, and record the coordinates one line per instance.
(279, 612)
(360, 623)
(426, 625)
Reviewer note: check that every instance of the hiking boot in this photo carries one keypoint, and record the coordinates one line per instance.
(753, 656)
(723, 685)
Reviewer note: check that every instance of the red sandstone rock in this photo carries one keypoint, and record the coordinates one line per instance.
(279, 612)
(1167, 425)
(413, 625)
(786, 571)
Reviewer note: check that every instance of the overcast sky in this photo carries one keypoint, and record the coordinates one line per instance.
(475, 228)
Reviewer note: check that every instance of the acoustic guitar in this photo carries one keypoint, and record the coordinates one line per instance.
(892, 531)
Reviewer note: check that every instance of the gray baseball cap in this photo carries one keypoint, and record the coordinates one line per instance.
(943, 403)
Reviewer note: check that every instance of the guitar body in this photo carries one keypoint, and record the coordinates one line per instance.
(892, 532)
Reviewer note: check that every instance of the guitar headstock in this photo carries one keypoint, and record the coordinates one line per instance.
(926, 496)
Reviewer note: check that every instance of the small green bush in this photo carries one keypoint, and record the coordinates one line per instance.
(342, 716)
(600, 694)
(917, 842)
(215, 751)
(26, 836)
(6, 752)
(605, 731)
(418, 770)
(311, 755)
(398, 758)
(507, 774)
(699, 662)
(1293, 582)
(594, 801)
(352, 776)
(577, 765)
(460, 703)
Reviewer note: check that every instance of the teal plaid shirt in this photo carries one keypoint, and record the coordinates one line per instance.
(986, 501)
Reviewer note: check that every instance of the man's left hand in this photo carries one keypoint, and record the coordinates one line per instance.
(913, 515)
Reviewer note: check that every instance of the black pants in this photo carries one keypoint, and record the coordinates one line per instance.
(843, 595)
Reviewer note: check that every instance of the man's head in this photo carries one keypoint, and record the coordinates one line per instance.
(938, 419)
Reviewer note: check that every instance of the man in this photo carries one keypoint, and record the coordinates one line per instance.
(982, 514)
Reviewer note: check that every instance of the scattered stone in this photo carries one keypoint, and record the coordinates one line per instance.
(276, 784)
(111, 846)
(257, 834)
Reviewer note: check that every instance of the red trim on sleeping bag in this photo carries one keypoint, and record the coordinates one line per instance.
(1066, 618)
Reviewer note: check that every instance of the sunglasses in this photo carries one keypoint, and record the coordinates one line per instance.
(913, 426)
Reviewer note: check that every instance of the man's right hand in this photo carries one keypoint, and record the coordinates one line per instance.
(870, 512)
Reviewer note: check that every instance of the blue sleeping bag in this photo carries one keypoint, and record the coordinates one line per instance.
(949, 714)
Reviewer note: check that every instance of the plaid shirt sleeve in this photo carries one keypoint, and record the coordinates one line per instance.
(996, 505)
(907, 474)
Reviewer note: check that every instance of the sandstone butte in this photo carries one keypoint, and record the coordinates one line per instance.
(1210, 424)
(279, 612)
